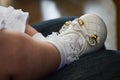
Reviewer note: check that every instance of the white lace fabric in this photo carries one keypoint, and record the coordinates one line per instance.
(14, 19)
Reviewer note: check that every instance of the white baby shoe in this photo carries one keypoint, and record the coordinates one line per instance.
(14, 19)
(82, 35)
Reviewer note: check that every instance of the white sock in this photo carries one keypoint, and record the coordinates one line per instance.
(38, 36)
(62, 43)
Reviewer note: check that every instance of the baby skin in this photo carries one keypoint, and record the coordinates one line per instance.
(23, 58)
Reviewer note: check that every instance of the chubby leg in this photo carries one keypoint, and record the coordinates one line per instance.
(22, 58)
